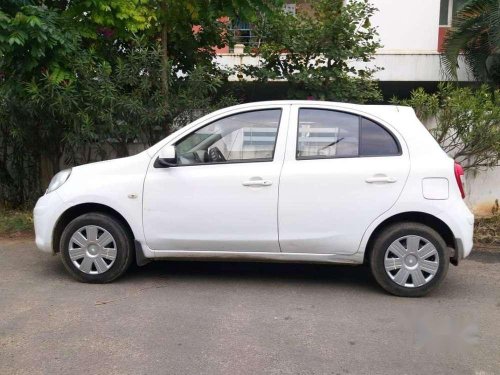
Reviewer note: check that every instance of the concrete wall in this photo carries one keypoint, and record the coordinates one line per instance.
(483, 190)
(396, 66)
(407, 25)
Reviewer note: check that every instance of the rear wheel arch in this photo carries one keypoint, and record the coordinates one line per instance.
(414, 217)
(81, 209)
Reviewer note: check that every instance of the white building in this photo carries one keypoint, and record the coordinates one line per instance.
(411, 33)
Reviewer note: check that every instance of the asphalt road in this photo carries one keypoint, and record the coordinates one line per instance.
(229, 318)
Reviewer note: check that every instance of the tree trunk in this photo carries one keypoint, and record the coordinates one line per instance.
(164, 58)
(46, 170)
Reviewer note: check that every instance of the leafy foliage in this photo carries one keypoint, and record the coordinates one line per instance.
(467, 122)
(475, 32)
(15, 223)
(107, 105)
(111, 18)
(323, 53)
(33, 39)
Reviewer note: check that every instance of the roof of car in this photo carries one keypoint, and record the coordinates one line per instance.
(366, 107)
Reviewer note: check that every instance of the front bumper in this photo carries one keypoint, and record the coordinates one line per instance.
(47, 211)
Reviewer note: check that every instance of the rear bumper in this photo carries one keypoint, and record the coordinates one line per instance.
(465, 242)
(458, 252)
(461, 222)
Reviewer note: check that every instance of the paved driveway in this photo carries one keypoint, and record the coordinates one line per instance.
(228, 318)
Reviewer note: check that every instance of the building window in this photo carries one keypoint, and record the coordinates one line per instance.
(448, 10)
(290, 9)
(243, 33)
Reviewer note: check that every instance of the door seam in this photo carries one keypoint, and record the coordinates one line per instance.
(279, 177)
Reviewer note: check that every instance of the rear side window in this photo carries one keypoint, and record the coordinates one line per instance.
(376, 141)
(328, 134)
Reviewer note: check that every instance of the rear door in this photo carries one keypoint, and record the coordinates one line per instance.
(342, 170)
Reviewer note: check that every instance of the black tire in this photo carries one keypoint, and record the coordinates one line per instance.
(391, 234)
(124, 247)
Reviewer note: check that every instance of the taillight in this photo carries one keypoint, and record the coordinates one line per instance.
(459, 176)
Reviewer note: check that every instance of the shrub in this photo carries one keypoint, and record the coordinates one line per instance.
(467, 122)
(322, 53)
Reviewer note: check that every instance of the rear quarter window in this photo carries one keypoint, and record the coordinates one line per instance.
(376, 140)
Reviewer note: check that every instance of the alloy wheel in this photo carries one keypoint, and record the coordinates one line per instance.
(92, 249)
(411, 261)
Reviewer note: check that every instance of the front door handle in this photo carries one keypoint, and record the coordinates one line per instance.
(381, 179)
(257, 183)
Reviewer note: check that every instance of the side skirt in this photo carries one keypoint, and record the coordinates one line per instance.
(221, 256)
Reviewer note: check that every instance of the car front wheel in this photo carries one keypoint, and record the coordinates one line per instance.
(409, 259)
(96, 248)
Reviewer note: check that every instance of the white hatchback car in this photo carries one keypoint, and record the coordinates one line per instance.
(282, 181)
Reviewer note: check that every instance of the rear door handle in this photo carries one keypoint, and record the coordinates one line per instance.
(380, 179)
(257, 183)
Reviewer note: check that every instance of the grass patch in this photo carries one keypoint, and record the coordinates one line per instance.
(487, 230)
(15, 222)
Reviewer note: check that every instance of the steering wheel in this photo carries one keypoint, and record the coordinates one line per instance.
(196, 157)
(215, 155)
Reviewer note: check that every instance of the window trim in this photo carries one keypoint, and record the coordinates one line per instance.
(360, 117)
(449, 14)
(260, 160)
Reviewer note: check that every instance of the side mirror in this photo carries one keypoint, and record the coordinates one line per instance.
(166, 158)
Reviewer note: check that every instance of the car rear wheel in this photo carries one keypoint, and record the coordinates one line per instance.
(409, 259)
(96, 248)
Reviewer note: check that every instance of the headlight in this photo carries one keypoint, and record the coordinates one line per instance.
(59, 179)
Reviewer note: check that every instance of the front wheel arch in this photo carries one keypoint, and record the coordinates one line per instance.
(81, 209)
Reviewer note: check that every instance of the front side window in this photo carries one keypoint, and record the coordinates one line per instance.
(248, 136)
(326, 133)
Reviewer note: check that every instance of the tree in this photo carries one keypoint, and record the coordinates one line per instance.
(467, 122)
(322, 53)
(33, 39)
(475, 33)
(189, 29)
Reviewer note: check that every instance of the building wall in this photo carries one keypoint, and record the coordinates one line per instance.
(482, 190)
(407, 25)
(410, 34)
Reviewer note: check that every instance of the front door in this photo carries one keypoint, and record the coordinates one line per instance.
(223, 195)
(341, 171)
